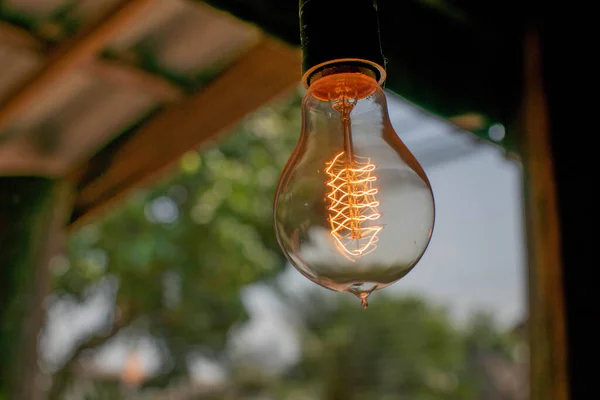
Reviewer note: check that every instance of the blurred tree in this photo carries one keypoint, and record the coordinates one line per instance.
(172, 261)
(400, 348)
(181, 251)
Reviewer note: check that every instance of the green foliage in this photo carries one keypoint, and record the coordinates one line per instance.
(26, 205)
(400, 348)
(182, 250)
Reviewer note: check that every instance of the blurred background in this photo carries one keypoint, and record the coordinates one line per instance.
(176, 288)
(181, 292)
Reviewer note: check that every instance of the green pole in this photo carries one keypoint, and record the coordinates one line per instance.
(33, 214)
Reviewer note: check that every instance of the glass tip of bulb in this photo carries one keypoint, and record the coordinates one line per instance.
(362, 291)
(363, 300)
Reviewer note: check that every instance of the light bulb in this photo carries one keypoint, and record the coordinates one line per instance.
(354, 211)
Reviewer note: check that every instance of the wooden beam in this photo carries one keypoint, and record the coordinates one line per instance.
(114, 72)
(33, 216)
(70, 55)
(132, 77)
(268, 70)
(18, 38)
(110, 71)
(546, 296)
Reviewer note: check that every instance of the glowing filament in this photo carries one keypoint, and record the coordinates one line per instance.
(352, 204)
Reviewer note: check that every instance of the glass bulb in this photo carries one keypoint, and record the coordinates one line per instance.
(354, 210)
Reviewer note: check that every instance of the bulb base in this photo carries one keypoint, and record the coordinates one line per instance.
(334, 30)
(344, 66)
(351, 85)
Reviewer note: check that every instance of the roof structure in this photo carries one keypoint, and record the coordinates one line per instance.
(459, 59)
(111, 92)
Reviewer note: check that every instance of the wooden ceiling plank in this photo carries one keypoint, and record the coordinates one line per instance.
(268, 70)
(72, 54)
(113, 72)
(126, 75)
(18, 38)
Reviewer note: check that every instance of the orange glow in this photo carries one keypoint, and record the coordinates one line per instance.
(133, 370)
(352, 204)
(357, 86)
